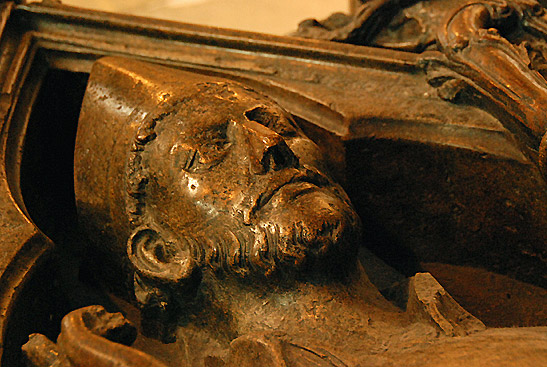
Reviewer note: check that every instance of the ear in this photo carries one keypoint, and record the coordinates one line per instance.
(158, 259)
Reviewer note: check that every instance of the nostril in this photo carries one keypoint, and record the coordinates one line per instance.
(279, 157)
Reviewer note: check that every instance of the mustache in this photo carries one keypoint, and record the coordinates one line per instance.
(260, 196)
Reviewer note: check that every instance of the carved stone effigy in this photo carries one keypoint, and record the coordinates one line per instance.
(197, 214)
(215, 200)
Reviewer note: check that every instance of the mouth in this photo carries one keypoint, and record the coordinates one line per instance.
(294, 185)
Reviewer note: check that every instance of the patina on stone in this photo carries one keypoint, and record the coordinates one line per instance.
(240, 250)
(438, 129)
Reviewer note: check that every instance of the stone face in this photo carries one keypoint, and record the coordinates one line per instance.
(273, 304)
(208, 204)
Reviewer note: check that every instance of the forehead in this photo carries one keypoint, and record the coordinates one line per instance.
(226, 98)
(212, 106)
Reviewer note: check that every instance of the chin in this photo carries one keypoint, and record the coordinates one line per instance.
(318, 227)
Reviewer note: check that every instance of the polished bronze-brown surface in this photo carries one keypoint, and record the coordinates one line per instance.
(219, 220)
(205, 200)
(178, 139)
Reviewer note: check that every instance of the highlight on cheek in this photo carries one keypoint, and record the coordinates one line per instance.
(193, 185)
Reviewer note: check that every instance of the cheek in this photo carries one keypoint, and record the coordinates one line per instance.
(195, 188)
(218, 191)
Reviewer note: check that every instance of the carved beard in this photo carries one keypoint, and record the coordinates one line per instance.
(319, 227)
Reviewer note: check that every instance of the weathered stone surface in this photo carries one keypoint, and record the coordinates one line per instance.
(428, 299)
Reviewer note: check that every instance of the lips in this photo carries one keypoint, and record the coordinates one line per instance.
(296, 189)
(294, 184)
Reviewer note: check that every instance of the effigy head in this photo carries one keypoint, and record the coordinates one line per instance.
(178, 173)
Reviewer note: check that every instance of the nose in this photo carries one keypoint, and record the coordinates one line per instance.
(266, 150)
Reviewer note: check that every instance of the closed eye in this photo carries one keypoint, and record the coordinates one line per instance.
(207, 149)
(192, 158)
(186, 157)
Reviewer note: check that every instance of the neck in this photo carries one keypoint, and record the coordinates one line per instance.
(322, 314)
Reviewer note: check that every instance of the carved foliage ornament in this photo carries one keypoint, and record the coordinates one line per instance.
(496, 49)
